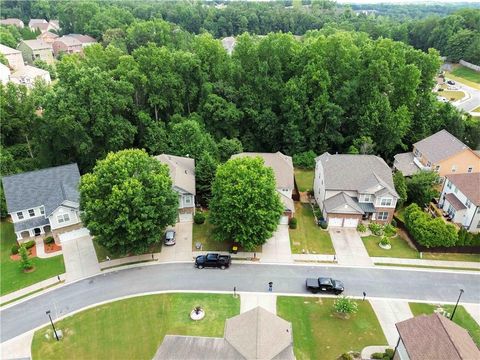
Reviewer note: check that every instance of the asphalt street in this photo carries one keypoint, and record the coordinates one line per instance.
(385, 283)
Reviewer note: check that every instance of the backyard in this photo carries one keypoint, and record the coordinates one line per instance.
(462, 317)
(308, 236)
(319, 334)
(134, 328)
(304, 179)
(13, 278)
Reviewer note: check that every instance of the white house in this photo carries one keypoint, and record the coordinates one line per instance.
(4, 74)
(460, 198)
(29, 74)
(43, 200)
(182, 172)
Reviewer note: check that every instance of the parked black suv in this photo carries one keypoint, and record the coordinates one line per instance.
(324, 284)
(213, 260)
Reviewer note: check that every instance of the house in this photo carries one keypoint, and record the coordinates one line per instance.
(66, 44)
(36, 49)
(12, 21)
(350, 188)
(38, 24)
(4, 74)
(29, 74)
(434, 337)
(228, 44)
(441, 152)
(460, 198)
(182, 172)
(54, 25)
(255, 334)
(86, 40)
(47, 37)
(43, 200)
(13, 56)
(282, 167)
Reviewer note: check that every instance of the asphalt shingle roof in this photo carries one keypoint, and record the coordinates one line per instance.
(468, 184)
(404, 163)
(341, 203)
(439, 146)
(48, 187)
(30, 223)
(182, 171)
(37, 44)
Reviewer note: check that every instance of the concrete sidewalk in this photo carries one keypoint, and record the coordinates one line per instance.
(19, 347)
(40, 246)
(474, 311)
(29, 289)
(390, 312)
(314, 257)
(422, 262)
(249, 301)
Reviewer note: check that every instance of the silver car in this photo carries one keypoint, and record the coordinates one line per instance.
(169, 237)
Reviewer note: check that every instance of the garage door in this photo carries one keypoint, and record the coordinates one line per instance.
(284, 220)
(335, 221)
(350, 222)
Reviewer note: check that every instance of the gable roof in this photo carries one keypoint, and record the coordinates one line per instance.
(37, 44)
(48, 187)
(30, 72)
(182, 171)
(404, 163)
(340, 203)
(12, 21)
(48, 34)
(436, 337)
(468, 184)
(84, 39)
(440, 146)
(281, 164)
(362, 173)
(6, 50)
(68, 40)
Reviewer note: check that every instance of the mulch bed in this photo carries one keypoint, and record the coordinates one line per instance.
(50, 248)
(32, 252)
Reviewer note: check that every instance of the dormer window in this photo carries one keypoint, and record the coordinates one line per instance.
(20, 215)
(31, 212)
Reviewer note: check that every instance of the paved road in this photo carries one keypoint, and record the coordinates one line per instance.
(405, 284)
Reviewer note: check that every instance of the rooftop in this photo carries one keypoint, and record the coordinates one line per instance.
(182, 171)
(84, 39)
(29, 71)
(439, 146)
(69, 40)
(5, 50)
(37, 44)
(468, 184)
(404, 163)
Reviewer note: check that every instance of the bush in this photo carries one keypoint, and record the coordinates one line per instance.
(346, 356)
(311, 193)
(25, 262)
(14, 249)
(292, 223)
(318, 214)
(389, 230)
(389, 353)
(323, 224)
(394, 223)
(468, 239)
(49, 240)
(199, 218)
(29, 244)
(376, 229)
(361, 228)
(377, 355)
(305, 160)
(385, 241)
(345, 305)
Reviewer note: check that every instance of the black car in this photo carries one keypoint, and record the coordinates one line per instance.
(451, 82)
(213, 260)
(325, 285)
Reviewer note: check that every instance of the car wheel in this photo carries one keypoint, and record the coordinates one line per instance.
(315, 291)
(200, 266)
(223, 267)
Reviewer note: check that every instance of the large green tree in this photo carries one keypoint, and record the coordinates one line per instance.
(245, 206)
(400, 187)
(421, 187)
(127, 201)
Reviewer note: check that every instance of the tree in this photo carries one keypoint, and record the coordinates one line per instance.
(127, 201)
(345, 305)
(189, 138)
(305, 160)
(205, 169)
(229, 147)
(400, 187)
(420, 188)
(25, 262)
(245, 206)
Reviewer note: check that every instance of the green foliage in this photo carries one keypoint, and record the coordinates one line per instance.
(9, 36)
(43, 65)
(420, 188)
(127, 201)
(205, 170)
(49, 240)
(466, 238)
(377, 355)
(245, 206)
(29, 244)
(389, 230)
(292, 223)
(346, 356)
(385, 241)
(15, 248)
(376, 229)
(189, 138)
(394, 223)
(400, 187)
(229, 147)
(361, 228)
(323, 224)
(25, 262)
(199, 218)
(345, 305)
(305, 160)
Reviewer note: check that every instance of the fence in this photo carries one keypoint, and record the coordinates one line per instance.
(469, 65)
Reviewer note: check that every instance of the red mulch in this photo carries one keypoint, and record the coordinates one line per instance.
(32, 252)
(50, 248)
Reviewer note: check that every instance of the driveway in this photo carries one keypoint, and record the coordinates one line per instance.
(349, 247)
(277, 249)
(79, 254)
(182, 250)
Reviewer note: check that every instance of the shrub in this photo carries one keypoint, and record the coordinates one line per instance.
(311, 193)
(389, 230)
(29, 244)
(376, 229)
(346, 356)
(377, 355)
(385, 241)
(25, 262)
(15, 248)
(199, 218)
(345, 305)
(323, 224)
(292, 223)
(389, 353)
(49, 240)
(361, 228)
(394, 223)
(305, 160)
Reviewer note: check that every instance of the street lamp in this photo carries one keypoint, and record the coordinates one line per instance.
(53, 326)
(455, 308)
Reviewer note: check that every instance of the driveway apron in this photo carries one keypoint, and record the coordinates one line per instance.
(277, 249)
(390, 312)
(349, 247)
(182, 250)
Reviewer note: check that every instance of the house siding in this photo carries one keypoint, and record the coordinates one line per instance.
(73, 214)
(60, 47)
(462, 161)
(15, 61)
(30, 55)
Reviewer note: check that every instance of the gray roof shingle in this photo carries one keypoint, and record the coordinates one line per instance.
(404, 163)
(439, 146)
(182, 171)
(341, 203)
(30, 223)
(48, 187)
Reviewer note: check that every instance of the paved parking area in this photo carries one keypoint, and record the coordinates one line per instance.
(349, 247)
(277, 248)
(79, 254)
(182, 250)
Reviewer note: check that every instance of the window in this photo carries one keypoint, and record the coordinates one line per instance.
(31, 212)
(455, 190)
(383, 215)
(42, 210)
(367, 198)
(386, 202)
(63, 218)
(20, 215)
(449, 184)
(470, 169)
(188, 200)
(454, 168)
(468, 203)
(478, 225)
(437, 168)
(417, 153)
(429, 164)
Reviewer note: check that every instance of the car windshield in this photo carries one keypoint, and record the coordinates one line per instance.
(169, 234)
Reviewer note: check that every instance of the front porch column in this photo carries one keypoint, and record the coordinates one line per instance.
(19, 235)
(42, 230)
(31, 232)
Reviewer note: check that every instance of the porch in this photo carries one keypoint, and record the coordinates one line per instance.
(28, 229)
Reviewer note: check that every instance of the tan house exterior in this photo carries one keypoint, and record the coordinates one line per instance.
(48, 37)
(13, 56)
(441, 152)
(36, 49)
(66, 44)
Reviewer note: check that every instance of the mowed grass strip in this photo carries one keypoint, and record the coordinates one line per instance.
(12, 277)
(134, 328)
(462, 317)
(304, 179)
(308, 236)
(319, 334)
(466, 73)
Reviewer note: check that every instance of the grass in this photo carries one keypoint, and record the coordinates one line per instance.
(463, 75)
(451, 257)
(452, 95)
(319, 334)
(308, 235)
(400, 248)
(400, 213)
(102, 252)
(462, 317)
(466, 73)
(134, 328)
(12, 277)
(304, 179)
(477, 110)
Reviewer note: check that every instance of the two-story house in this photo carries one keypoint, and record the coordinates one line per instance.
(182, 172)
(282, 167)
(48, 37)
(36, 49)
(14, 57)
(460, 199)
(28, 75)
(86, 40)
(67, 45)
(350, 188)
(43, 200)
(441, 152)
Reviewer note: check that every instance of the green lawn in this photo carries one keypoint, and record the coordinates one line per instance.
(304, 179)
(466, 73)
(477, 109)
(400, 248)
(462, 317)
(319, 334)
(451, 257)
(12, 277)
(452, 95)
(134, 328)
(204, 234)
(308, 235)
(103, 252)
